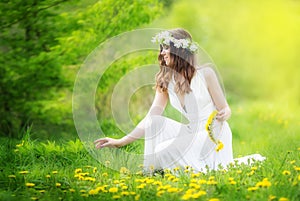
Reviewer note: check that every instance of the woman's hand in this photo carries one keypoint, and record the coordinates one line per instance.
(107, 142)
(224, 114)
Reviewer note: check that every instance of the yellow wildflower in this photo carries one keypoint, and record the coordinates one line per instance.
(195, 186)
(286, 172)
(125, 193)
(283, 199)
(159, 193)
(78, 170)
(24, 172)
(176, 169)
(293, 161)
(196, 175)
(173, 190)
(42, 191)
(141, 186)
(34, 198)
(212, 182)
(124, 170)
(105, 174)
(252, 188)
(58, 185)
(72, 190)
(48, 176)
(54, 172)
(20, 145)
(271, 197)
(116, 197)
(124, 187)
(297, 168)
(30, 184)
(137, 197)
(93, 192)
(186, 196)
(11, 176)
(220, 146)
(149, 181)
(94, 170)
(202, 181)
(214, 199)
(113, 190)
(232, 182)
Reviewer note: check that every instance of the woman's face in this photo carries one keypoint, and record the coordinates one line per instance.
(166, 54)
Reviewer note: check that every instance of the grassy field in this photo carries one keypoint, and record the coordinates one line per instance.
(34, 170)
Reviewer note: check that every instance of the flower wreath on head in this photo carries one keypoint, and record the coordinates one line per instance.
(165, 38)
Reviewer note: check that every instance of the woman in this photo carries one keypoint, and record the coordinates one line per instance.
(196, 93)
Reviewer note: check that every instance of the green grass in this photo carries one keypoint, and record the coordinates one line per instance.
(66, 170)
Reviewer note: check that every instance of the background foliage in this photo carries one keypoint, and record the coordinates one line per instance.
(43, 44)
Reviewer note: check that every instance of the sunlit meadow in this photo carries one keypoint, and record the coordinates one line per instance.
(32, 170)
(255, 46)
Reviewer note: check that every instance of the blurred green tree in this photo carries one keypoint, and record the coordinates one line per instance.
(42, 41)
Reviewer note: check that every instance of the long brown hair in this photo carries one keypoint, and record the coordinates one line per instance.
(183, 65)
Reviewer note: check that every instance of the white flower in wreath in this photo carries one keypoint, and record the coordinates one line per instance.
(177, 43)
(193, 47)
(184, 43)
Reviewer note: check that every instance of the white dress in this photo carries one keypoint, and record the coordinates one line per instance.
(171, 144)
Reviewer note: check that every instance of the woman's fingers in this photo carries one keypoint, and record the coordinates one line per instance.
(105, 142)
(100, 142)
(223, 114)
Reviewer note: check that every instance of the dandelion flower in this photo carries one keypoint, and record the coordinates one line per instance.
(252, 188)
(24, 172)
(93, 192)
(283, 199)
(271, 197)
(214, 199)
(220, 146)
(54, 172)
(30, 184)
(72, 190)
(113, 190)
(125, 193)
(78, 170)
(159, 193)
(11, 176)
(137, 197)
(58, 185)
(94, 170)
(297, 168)
(286, 172)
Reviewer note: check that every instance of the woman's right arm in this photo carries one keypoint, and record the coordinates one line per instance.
(159, 103)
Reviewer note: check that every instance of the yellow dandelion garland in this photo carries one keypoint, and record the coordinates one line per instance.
(208, 127)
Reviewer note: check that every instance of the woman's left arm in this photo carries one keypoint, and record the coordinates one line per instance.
(217, 94)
